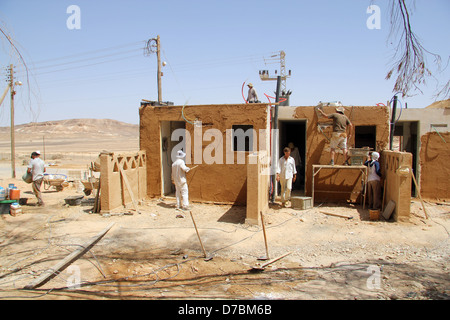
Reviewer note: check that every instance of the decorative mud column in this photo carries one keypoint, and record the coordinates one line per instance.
(257, 186)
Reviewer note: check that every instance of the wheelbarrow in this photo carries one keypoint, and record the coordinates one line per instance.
(58, 181)
(90, 185)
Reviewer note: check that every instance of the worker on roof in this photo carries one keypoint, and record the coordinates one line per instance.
(339, 136)
(252, 96)
(179, 170)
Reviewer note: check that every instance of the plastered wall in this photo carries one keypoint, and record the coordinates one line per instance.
(223, 183)
(435, 171)
(318, 148)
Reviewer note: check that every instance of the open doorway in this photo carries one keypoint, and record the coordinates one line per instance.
(167, 147)
(294, 131)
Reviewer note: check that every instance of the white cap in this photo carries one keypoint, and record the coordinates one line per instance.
(38, 152)
(181, 154)
(375, 156)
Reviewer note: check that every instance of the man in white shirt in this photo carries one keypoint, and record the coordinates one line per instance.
(252, 96)
(286, 174)
(179, 170)
(37, 168)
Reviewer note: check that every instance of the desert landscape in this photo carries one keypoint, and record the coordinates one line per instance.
(156, 253)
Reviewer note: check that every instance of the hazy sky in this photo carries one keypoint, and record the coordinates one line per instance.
(211, 48)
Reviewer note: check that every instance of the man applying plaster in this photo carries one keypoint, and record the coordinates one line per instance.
(339, 135)
(286, 174)
(179, 170)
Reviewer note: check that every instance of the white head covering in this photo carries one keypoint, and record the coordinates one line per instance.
(180, 154)
(375, 156)
(38, 152)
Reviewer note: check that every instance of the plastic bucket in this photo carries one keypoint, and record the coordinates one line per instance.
(14, 194)
(374, 215)
(2, 194)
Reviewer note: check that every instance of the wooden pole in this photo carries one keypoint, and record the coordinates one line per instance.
(63, 264)
(128, 187)
(420, 197)
(13, 143)
(158, 55)
(384, 195)
(265, 236)
(198, 235)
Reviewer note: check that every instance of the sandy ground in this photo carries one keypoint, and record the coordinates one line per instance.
(157, 255)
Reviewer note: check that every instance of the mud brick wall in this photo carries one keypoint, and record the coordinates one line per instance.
(114, 192)
(435, 171)
(223, 183)
(318, 149)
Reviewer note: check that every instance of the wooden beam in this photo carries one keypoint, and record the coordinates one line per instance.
(128, 187)
(63, 264)
(336, 215)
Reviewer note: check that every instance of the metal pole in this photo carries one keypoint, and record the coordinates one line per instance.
(391, 136)
(274, 142)
(13, 151)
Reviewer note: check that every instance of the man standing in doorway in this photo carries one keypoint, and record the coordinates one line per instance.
(286, 174)
(339, 136)
(37, 168)
(179, 170)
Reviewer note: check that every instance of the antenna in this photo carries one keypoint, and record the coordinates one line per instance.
(281, 59)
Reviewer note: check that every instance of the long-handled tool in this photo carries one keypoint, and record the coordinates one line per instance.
(263, 266)
(266, 257)
(199, 239)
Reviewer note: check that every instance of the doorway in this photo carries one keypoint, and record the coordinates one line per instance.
(167, 151)
(294, 131)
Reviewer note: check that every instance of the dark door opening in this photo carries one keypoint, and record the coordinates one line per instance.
(294, 131)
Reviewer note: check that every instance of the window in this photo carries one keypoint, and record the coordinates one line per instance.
(366, 136)
(243, 137)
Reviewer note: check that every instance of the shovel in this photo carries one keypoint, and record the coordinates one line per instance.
(266, 257)
(207, 258)
(263, 266)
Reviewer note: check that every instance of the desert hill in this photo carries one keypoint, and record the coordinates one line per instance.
(77, 126)
(70, 136)
(440, 104)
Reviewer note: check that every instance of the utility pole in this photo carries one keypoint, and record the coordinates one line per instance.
(158, 55)
(154, 45)
(13, 151)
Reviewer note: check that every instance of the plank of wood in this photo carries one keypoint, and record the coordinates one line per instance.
(128, 187)
(68, 260)
(389, 209)
(336, 215)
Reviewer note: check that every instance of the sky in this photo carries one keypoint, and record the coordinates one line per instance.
(91, 63)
